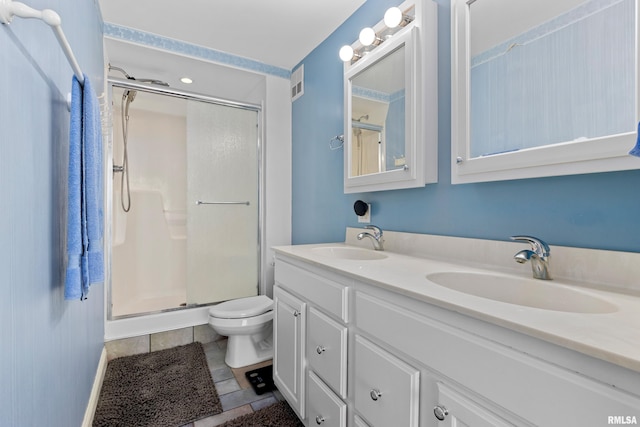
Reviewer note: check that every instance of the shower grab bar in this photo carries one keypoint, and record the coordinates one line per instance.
(200, 202)
(10, 8)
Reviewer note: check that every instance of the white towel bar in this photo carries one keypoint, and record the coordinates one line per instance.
(10, 8)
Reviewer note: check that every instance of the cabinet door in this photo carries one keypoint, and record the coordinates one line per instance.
(457, 410)
(289, 344)
(386, 391)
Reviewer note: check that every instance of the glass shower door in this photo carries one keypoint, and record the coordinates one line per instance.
(222, 203)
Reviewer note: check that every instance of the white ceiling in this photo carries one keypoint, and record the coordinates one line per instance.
(275, 32)
(208, 78)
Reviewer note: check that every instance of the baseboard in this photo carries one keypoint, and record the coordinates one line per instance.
(95, 390)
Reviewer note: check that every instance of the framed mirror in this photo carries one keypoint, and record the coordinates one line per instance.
(385, 145)
(543, 88)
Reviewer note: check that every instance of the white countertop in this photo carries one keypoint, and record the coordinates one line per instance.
(614, 337)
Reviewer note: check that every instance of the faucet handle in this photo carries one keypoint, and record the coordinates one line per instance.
(538, 245)
(376, 230)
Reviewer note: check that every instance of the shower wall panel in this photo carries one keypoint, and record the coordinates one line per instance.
(157, 153)
(149, 242)
(149, 271)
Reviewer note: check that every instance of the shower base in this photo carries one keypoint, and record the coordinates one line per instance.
(155, 322)
(149, 305)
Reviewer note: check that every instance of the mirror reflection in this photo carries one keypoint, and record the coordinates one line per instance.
(543, 74)
(378, 116)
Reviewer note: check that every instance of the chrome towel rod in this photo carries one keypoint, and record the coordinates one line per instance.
(200, 202)
(10, 8)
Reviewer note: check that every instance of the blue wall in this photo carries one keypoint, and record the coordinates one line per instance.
(50, 347)
(592, 211)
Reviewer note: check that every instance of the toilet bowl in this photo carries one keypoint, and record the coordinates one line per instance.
(248, 324)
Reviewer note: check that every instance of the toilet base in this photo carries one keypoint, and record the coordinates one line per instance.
(245, 350)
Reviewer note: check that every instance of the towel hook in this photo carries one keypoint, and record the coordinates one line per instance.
(340, 139)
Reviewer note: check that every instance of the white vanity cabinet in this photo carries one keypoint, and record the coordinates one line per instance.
(487, 380)
(363, 356)
(323, 302)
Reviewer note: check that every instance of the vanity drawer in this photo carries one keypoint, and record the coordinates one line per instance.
(386, 390)
(324, 407)
(323, 292)
(327, 350)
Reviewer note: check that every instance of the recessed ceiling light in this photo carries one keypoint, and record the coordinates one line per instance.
(186, 80)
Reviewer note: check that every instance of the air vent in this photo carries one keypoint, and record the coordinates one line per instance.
(297, 83)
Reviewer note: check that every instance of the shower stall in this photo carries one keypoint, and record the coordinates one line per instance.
(185, 200)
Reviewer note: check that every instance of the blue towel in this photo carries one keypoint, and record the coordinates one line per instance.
(635, 151)
(73, 279)
(93, 177)
(85, 227)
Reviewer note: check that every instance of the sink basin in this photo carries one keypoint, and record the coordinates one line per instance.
(341, 252)
(547, 295)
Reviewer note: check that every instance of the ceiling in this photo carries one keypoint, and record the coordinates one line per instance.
(275, 32)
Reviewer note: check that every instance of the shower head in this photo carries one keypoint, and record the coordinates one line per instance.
(111, 67)
(129, 77)
(130, 95)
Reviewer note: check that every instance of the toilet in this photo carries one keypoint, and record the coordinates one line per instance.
(248, 323)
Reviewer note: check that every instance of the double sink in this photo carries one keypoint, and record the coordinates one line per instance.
(510, 289)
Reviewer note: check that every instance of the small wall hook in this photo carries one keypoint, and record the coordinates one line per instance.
(340, 144)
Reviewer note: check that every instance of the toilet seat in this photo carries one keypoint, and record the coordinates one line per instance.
(242, 308)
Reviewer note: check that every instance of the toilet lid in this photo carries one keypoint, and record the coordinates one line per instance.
(242, 307)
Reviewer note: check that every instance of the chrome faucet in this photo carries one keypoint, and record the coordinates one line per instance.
(376, 237)
(539, 256)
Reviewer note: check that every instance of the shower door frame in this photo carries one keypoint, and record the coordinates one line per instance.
(108, 182)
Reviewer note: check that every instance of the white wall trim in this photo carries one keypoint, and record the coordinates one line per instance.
(95, 390)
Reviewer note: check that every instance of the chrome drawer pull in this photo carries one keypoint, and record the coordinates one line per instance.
(375, 394)
(320, 349)
(319, 419)
(440, 412)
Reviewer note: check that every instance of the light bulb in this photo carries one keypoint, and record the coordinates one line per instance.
(393, 17)
(186, 80)
(367, 36)
(346, 53)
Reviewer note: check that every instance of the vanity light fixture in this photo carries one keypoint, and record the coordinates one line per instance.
(368, 37)
(186, 80)
(347, 54)
(394, 17)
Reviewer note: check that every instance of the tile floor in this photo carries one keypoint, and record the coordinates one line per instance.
(236, 395)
